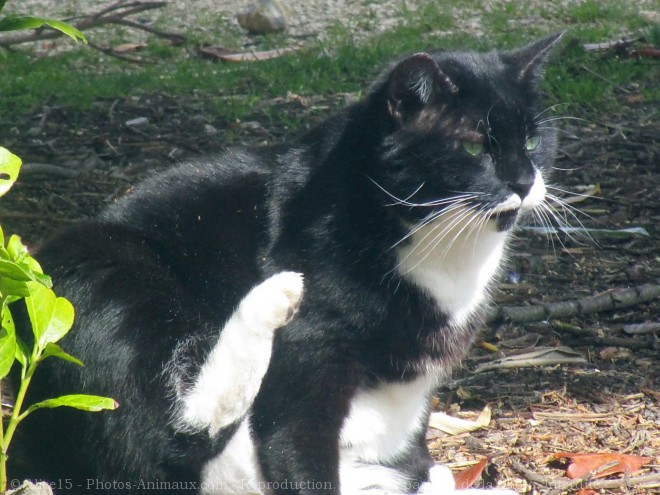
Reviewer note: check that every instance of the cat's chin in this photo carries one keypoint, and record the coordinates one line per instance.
(505, 220)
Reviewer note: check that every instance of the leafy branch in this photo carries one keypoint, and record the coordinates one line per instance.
(51, 318)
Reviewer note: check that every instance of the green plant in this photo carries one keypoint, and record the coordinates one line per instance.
(21, 277)
(16, 22)
(51, 318)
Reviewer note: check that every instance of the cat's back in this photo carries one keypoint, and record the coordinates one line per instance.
(199, 224)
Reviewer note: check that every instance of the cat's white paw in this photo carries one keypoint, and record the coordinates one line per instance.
(486, 491)
(441, 482)
(273, 303)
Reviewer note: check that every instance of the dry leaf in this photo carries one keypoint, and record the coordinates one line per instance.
(229, 55)
(583, 464)
(615, 353)
(587, 192)
(257, 56)
(466, 478)
(488, 346)
(542, 356)
(128, 47)
(214, 52)
(454, 426)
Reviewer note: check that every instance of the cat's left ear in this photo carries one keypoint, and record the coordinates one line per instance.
(528, 62)
(413, 83)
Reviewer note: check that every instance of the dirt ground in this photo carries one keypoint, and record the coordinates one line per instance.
(78, 162)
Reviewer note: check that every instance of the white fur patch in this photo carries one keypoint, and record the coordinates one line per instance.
(453, 263)
(381, 424)
(236, 470)
(455, 257)
(231, 376)
(536, 194)
(441, 481)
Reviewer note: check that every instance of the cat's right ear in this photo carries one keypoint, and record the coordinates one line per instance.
(413, 83)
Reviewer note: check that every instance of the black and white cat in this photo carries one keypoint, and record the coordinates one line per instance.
(397, 212)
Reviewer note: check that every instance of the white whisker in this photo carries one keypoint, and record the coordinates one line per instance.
(555, 119)
(451, 213)
(406, 201)
(435, 242)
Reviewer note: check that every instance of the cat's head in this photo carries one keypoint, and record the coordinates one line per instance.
(462, 133)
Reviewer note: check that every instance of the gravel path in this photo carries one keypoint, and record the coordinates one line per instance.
(308, 18)
(215, 20)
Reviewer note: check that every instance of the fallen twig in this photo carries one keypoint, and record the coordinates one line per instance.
(540, 357)
(48, 170)
(173, 37)
(640, 328)
(609, 45)
(113, 14)
(560, 416)
(605, 301)
(579, 482)
(563, 485)
(648, 52)
(111, 53)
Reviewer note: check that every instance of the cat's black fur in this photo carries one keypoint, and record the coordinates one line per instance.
(156, 276)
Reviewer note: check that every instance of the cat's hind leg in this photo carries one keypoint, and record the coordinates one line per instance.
(231, 376)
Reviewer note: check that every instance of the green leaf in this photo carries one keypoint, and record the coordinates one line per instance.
(51, 316)
(10, 164)
(16, 249)
(56, 351)
(22, 352)
(15, 22)
(7, 343)
(9, 287)
(91, 403)
(12, 270)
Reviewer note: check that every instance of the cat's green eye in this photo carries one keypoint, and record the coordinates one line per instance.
(475, 149)
(532, 143)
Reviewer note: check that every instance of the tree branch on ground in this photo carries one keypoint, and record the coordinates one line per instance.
(113, 14)
(561, 485)
(605, 301)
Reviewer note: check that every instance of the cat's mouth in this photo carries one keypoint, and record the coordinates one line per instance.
(505, 214)
(506, 219)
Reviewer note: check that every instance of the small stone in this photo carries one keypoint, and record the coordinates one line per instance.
(28, 488)
(138, 122)
(267, 16)
(210, 130)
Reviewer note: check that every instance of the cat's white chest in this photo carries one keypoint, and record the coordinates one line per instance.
(453, 264)
(381, 419)
(382, 424)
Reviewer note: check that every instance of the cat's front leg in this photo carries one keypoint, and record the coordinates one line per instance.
(298, 415)
(230, 378)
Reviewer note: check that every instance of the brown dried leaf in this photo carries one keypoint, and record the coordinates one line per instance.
(257, 56)
(229, 55)
(128, 47)
(583, 464)
(615, 353)
(466, 478)
(214, 52)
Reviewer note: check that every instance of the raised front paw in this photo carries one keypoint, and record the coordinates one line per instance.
(273, 303)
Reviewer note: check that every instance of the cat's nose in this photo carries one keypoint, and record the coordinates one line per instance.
(522, 186)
